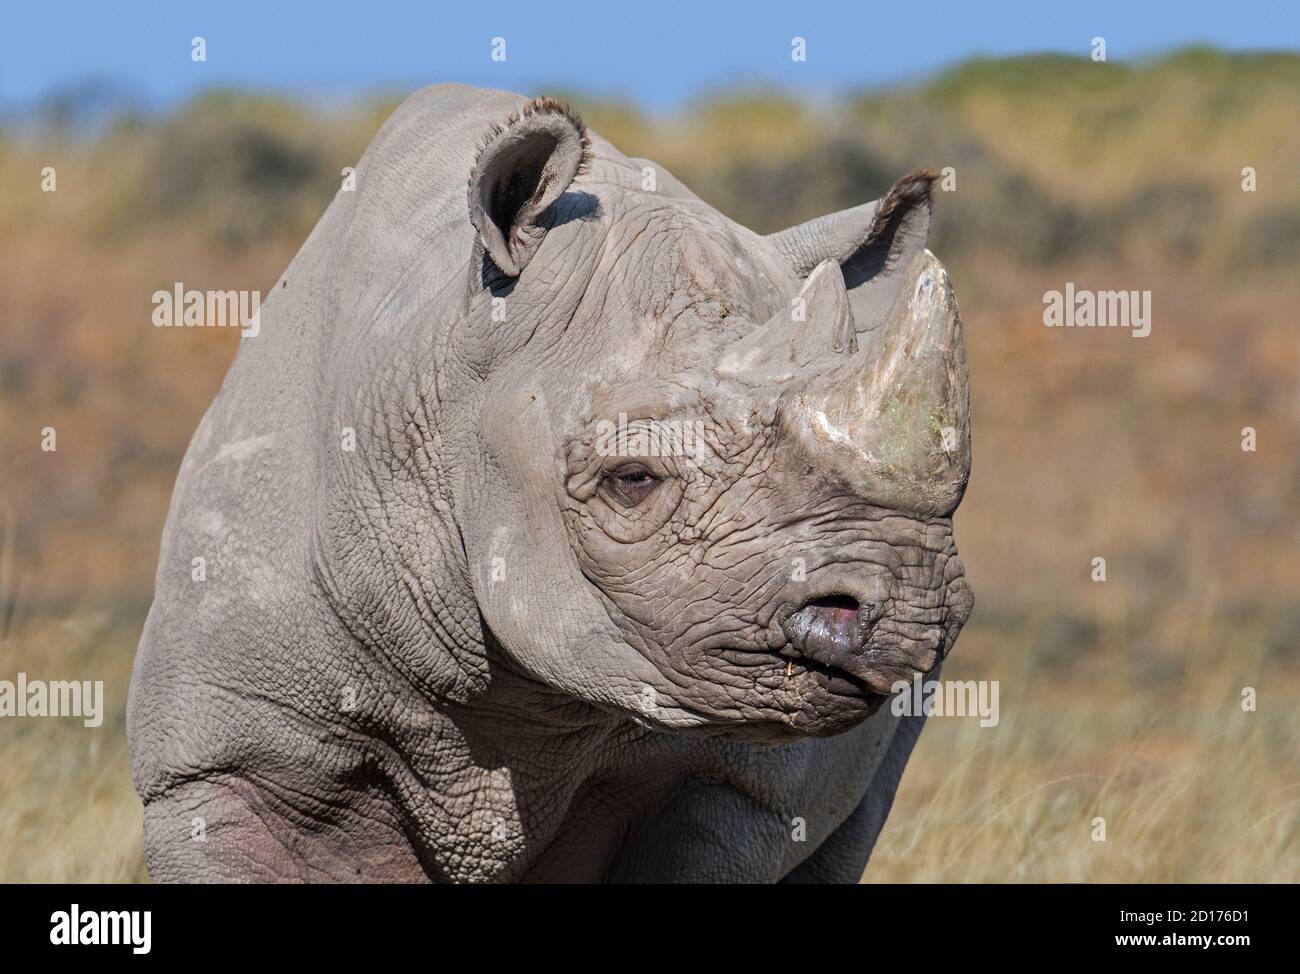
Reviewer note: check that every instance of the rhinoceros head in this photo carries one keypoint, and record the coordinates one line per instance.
(715, 470)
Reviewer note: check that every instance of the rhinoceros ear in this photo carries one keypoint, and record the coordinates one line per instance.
(874, 244)
(522, 168)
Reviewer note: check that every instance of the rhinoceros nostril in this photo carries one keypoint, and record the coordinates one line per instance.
(835, 607)
(832, 624)
(836, 602)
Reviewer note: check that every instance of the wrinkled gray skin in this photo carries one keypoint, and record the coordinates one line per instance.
(479, 648)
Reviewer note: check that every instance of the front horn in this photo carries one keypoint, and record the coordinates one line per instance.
(894, 422)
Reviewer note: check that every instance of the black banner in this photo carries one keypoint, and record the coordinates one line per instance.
(139, 923)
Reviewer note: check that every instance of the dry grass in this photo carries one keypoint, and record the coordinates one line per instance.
(68, 812)
(1191, 787)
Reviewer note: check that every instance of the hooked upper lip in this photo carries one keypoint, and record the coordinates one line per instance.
(833, 633)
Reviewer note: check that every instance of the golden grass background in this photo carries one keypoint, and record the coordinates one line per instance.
(1118, 699)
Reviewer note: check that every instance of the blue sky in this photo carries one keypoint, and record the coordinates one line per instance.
(659, 53)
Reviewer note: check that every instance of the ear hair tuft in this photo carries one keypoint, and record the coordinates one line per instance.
(542, 105)
(914, 189)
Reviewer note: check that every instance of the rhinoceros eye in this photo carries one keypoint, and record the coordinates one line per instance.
(629, 485)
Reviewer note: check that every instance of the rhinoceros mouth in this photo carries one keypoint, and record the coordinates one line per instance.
(833, 634)
(790, 668)
(834, 680)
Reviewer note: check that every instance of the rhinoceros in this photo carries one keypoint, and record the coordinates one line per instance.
(552, 526)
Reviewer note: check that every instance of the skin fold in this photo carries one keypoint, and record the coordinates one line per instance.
(463, 616)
